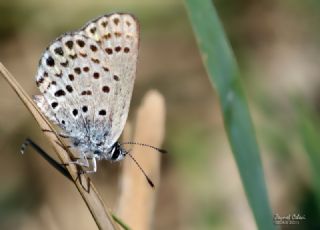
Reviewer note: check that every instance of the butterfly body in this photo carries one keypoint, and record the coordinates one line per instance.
(86, 79)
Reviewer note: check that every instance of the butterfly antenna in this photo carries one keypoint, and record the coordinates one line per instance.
(144, 173)
(145, 145)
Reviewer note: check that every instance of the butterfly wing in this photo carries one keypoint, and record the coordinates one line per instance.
(118, 37)
(87, 77)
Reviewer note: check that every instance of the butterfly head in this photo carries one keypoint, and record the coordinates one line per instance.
(115, 153)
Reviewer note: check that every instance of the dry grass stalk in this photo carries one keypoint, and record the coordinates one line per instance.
(137, 201)
(88, 192)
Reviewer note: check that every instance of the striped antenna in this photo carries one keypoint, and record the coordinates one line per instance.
(144, 173)
(145, 145)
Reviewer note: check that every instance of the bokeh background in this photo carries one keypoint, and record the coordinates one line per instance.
(277, 47)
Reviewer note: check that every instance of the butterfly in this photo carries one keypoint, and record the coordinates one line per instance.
(86, 78)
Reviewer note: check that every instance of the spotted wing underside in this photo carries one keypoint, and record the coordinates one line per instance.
(87, 77)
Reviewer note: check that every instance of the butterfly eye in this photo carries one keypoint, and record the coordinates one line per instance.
(115, 153)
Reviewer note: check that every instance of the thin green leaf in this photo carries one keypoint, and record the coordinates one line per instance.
(224, 75)
(120, 222)
(309, 126)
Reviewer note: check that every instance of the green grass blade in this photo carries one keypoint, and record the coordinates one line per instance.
(309, 125)
(224, 75)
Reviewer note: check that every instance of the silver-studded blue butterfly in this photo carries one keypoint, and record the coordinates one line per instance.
(86, 78)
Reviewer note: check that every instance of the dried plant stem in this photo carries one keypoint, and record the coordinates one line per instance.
(137, 201)
(101, 215)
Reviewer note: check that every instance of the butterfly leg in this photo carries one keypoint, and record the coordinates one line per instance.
(83, 162)
(94, 166)
(46, 156)
(86, 164)
(63, 135)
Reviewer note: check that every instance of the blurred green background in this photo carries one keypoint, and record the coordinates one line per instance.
(276, 44)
